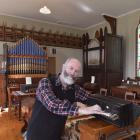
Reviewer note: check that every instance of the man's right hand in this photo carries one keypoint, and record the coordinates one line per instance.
(95, 109)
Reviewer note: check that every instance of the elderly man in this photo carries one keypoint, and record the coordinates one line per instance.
(56, 98)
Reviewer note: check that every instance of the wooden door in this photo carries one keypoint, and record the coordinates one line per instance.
(51, 65)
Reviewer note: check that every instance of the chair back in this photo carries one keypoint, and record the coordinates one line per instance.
(103, 91)
(129, 95)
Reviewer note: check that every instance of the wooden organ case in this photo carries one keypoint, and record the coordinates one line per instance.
(25, 59)
(103, 56)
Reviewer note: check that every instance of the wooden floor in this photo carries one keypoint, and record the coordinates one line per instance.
(10, 127)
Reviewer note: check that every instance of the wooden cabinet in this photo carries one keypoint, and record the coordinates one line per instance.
(118, 91)
(104, 61)
(95, 130)
(2, 90)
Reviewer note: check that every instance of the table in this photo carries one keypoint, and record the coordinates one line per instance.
(95, 129)
(91, 87)
(119, 91)
(19, 96)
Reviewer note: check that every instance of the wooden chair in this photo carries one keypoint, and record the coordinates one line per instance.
(11, 101)
(131, 96)
(27, 105)
(103, 91)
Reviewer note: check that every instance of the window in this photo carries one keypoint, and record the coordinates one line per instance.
(138, 52)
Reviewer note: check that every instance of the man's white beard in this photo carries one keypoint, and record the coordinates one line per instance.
(67, 79)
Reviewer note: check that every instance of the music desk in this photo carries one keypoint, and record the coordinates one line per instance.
(19, 96)
(95, 129)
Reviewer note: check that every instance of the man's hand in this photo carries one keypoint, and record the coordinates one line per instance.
(79, 104)
(95, 109)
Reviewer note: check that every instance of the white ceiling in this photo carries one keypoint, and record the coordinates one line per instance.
(76, 13)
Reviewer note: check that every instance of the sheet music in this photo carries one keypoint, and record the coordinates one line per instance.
(28, 80)
(19, 93)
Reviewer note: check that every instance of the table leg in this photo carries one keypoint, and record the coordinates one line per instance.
(19, 111)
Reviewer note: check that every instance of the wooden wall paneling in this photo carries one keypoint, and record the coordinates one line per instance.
(2, 90)
(44, 38)
(18, 34)
(2, 32)
(41, 38)
(10, 34)
(50, 38)
(27, 33)
(66, 40)
(51, 65)
(35, 36)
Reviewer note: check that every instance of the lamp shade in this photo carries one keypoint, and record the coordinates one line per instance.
(44, 10)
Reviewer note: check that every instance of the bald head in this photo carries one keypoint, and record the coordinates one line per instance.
(74, 62)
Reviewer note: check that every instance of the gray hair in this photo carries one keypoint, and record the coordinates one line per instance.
(69, 59)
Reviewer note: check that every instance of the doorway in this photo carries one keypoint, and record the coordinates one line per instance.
(51, 66)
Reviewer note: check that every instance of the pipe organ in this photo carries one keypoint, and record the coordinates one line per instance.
(25, 59)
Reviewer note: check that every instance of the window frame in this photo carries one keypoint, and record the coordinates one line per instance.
(136, 64)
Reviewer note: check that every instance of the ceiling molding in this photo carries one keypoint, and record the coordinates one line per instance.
(125, 14)
(92, 26)
(41, 21)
